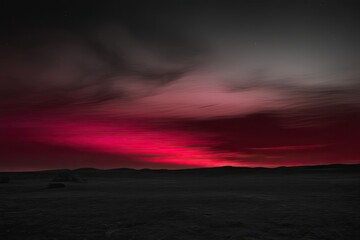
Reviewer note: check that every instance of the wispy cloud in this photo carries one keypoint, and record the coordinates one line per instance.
(289, 148)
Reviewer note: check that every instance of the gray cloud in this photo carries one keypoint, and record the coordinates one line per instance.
(304, 57)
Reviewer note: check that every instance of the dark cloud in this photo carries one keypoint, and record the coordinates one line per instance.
(82, 53)
(76, 52)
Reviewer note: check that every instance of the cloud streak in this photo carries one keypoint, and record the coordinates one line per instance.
(289, 148)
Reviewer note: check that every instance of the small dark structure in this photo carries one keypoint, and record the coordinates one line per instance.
(67, 176)
(4, 179)
(56, 185)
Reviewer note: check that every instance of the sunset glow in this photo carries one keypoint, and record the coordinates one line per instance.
(179, 85)
(168, 147)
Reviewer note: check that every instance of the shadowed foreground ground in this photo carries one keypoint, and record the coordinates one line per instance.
(182, 206)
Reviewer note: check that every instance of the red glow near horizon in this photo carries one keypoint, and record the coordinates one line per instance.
(170, 147)
(74, 141)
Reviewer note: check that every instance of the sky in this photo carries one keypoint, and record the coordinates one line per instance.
(178, 84)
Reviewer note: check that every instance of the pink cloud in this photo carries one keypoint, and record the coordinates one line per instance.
(198, 95)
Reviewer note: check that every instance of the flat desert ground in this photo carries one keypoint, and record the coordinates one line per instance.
(174, 205)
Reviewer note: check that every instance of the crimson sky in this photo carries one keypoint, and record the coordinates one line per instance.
(153, 84)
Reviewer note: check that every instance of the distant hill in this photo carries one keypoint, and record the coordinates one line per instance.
(333, 168)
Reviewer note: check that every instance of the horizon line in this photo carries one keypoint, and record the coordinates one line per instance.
(180, 169)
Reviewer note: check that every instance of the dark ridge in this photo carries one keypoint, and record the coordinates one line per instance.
(86, 169)
(224, 169)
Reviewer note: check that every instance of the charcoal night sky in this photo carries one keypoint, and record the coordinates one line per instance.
(178, 84)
